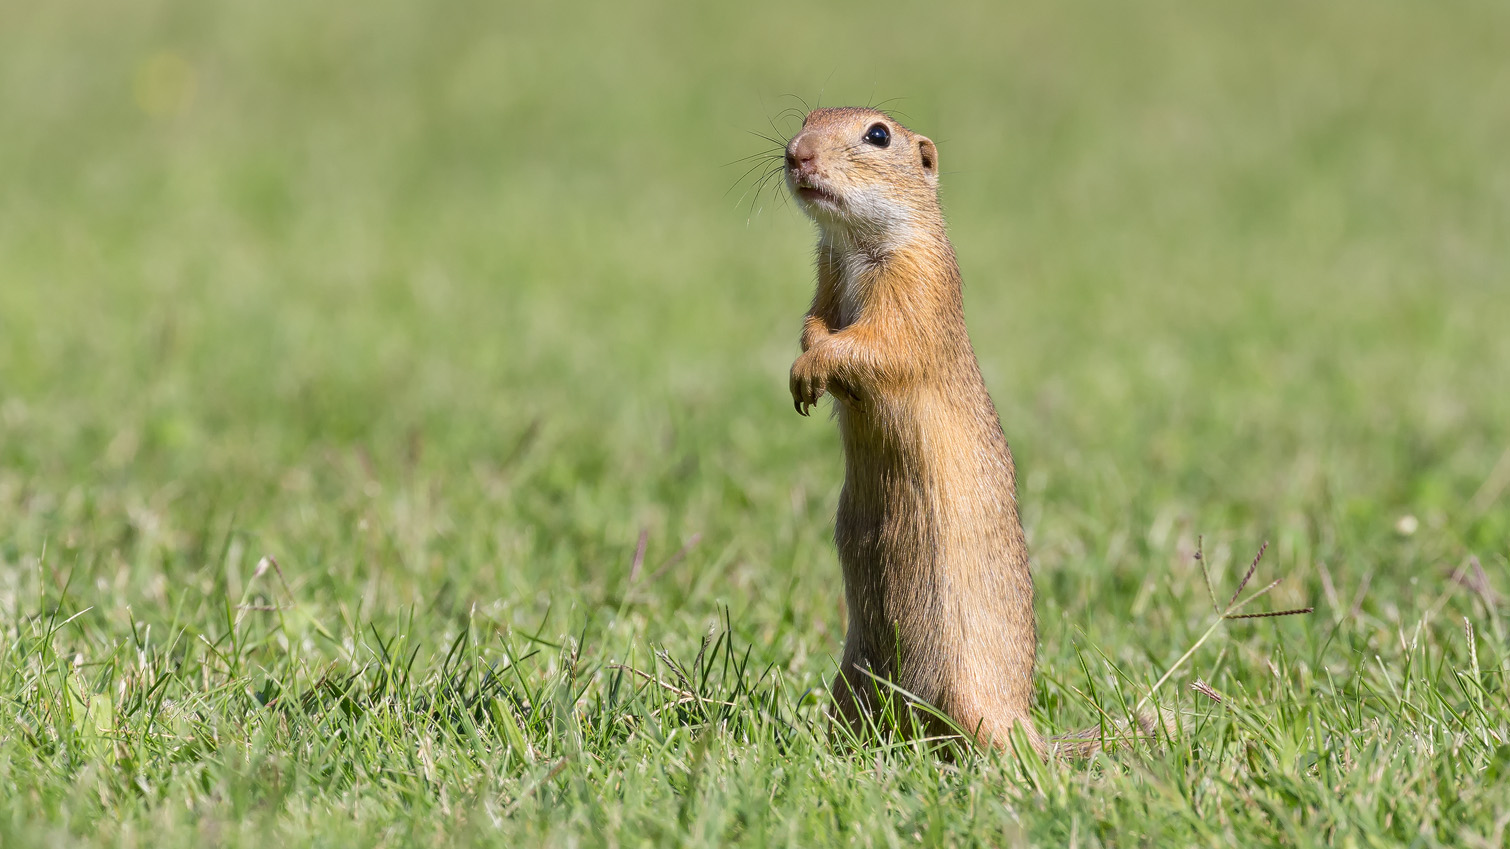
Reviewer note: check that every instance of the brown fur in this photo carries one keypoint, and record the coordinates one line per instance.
(936, 575)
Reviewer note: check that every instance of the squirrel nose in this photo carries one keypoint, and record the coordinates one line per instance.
(800, 153)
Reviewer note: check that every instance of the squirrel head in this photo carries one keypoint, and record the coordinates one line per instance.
(860, 174)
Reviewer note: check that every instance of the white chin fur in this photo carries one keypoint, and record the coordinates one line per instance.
(866, 212)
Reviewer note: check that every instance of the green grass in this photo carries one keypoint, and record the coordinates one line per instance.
(441, 306)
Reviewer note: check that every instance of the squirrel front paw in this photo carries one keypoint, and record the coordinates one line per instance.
(808, 382)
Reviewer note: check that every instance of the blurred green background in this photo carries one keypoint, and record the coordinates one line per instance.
(442, 304)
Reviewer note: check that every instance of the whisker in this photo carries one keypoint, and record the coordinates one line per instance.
(766, 179)
(742, 177)
(757, 188)
(792, 113)
(760, 186)
(777, 130)
(765, 154)
(805, 108)
(775, 142)
(756, 182)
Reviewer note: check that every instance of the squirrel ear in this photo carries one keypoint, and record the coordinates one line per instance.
(929, 155)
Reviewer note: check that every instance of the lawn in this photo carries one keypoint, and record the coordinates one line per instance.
(395, 446)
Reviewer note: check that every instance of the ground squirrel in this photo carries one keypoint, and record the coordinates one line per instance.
(935, 563)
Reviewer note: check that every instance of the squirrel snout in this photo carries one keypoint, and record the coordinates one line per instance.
(801, 154)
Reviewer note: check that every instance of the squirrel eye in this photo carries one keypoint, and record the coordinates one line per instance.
(878, 135)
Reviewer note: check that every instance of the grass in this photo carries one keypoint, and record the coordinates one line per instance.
(395, 447)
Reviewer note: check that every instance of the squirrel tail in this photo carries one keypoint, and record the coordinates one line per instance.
(1088, 741)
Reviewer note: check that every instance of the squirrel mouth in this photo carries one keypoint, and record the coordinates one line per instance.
(812, 194)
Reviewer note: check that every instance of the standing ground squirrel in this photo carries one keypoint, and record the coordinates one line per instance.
(935, 563)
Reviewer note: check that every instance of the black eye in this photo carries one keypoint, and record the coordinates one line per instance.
(878, 135)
